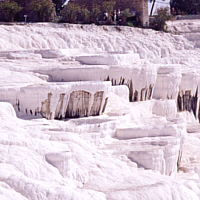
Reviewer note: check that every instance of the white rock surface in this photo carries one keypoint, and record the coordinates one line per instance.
(142, 143)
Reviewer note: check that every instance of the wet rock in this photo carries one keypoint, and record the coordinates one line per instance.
(59, 108)
(187, 102)
(78, 105)
(46, 107)
(105, 103)
(95, 110)
(136, 96)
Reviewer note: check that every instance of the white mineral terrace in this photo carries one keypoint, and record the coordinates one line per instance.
(99, 112)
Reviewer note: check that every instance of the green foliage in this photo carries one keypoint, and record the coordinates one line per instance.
(85, 15)
(95, 13)
(125, 15)
(160, 19)
(186, 6)
(129, 24)
(9, 9)
(58, 4)
(70, 12)
(108, 7)
(45, 9)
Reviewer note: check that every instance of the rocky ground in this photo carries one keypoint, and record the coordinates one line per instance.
(134, 93)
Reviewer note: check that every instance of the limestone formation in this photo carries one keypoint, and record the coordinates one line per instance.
(96, 106)
(46, 107)
(78, 105)
(59, 107)
(60, 160)
(188, 102)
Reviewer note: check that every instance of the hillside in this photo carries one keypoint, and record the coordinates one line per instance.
(128, 100)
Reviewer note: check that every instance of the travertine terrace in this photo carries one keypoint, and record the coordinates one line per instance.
(99, 112)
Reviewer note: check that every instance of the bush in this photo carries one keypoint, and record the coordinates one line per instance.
(9, 10)
(160, 19)
(45, 10)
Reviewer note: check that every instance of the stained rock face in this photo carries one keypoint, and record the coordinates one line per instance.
(188, 102)
(143, 95)
(95, 110)
(46, 107)
(70, 100)
(59, 107)
(78, 105)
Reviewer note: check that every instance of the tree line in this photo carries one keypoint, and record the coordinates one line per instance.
(53, 10)
(185, 7)
(35, 10)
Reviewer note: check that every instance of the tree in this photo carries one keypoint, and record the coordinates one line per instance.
(23, 3)
(10, 9)
(25, 11)
(108, 7)
(70, 12)
(59, 4)
(45, 9)
(161, 18)
(185, 6)
(95, 13)
(85, 15)
(125, 15)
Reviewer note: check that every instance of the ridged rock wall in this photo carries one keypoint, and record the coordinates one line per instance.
(66, 100)
(188, 95)
(117, 67)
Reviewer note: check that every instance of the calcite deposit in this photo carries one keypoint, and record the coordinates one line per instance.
(99, 112)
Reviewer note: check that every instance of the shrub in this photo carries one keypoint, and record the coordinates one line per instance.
(160, 19)
(9, 9)
(125, 15)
